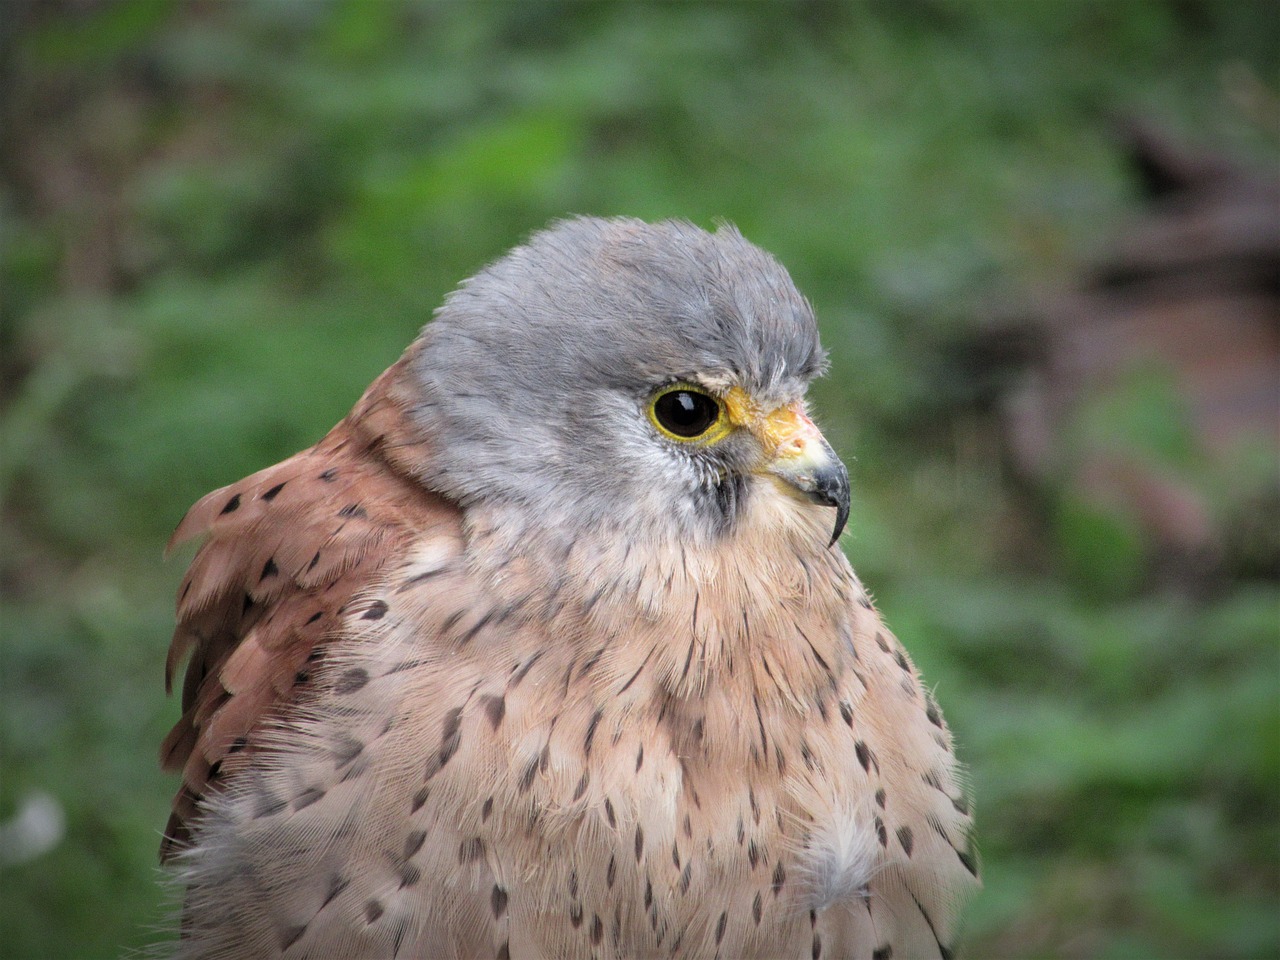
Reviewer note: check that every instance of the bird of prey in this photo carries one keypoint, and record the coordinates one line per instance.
(548, 650)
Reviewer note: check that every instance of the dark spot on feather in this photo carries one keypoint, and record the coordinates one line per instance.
(755, 806)
(329, 475)
(269, 569)
(757, 908)
(450, 738)
(675, 855)
(451, 621)
(377, 610)
(232, 505)
(215, 770)
(345, 750)
(355, 770)
(244, 607)
(611, 873)
(902, 660)
(351, 680)
(504, 951)
(779, 878)
(586, 608)
(846, 711)
(742, 830)
(581, 788)
(597, 930)
(526, 778)
(475, 628)
(931, 711)
(881, 798)
(470, 850)
(648, 893)
(419, 799)
(806, 754)
(307, 797)
(817, 946)
(639, 842)
(314, 561)
(592, 660)
(524, 670)
(640, 758)
(336, 886)
(688, 660)
(969, 860)
(495, 708)
(688, 827)
(352, 510)
(961, 805)
(314, 617)
(238, 744)
(409, 876)
(575, 915)
(881, 832)
(420, 578)
(273, 492)
(905, 838)
(544, 758)
(591, 732)
(413, 843)
(608, 812)
(720, 926)
(291, 935)
(267, 805)
(487, 810)
(372, 911)
(864, 755)
(498, 901)
(882, 953)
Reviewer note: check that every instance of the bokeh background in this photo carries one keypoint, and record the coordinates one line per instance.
(1041, 239)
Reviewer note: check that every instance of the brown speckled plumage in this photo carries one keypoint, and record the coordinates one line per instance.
(422, 725)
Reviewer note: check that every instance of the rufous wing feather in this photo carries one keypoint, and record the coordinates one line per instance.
(283, 552)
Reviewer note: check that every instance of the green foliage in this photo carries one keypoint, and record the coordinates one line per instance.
(220, 221)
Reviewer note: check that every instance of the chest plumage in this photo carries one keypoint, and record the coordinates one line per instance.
(422, 728)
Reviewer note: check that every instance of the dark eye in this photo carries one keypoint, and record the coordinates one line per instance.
(684, 413)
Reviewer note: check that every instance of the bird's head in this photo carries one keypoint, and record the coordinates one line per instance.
(644, 378)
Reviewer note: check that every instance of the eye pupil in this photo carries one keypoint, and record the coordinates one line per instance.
(686, 413)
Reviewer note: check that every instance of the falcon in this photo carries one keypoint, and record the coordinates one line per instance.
(548, 649)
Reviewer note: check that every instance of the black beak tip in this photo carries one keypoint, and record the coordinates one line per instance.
(842, 517)
(832, 489)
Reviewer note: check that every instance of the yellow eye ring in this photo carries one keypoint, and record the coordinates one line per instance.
(688, 414)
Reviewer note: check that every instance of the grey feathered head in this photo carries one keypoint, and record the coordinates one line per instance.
(540, 376)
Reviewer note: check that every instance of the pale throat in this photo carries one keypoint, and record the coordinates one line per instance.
(771, 590)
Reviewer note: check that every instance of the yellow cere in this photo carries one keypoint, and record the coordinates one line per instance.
(782, 432)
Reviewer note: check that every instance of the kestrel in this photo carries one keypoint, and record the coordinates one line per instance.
(548, 650)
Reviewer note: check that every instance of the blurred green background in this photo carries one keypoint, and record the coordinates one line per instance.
(220, 220)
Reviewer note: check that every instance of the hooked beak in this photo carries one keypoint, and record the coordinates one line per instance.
(796, 453)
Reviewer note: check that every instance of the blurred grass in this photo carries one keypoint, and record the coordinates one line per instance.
(220, 221)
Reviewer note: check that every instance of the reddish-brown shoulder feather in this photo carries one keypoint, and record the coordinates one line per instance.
(284, 551)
